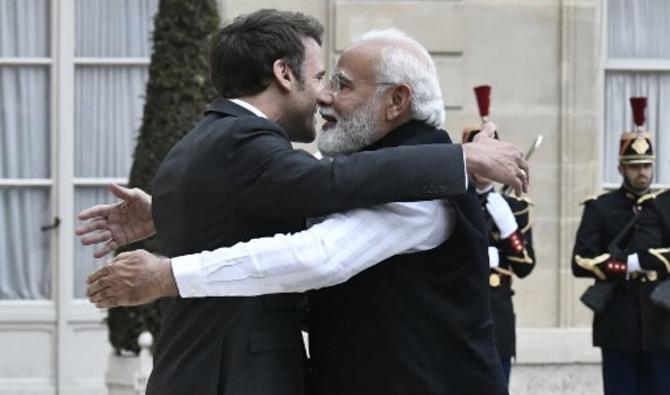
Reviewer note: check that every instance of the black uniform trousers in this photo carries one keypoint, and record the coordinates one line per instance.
(636, 372)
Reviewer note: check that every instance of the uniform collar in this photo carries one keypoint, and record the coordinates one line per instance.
(631, 194)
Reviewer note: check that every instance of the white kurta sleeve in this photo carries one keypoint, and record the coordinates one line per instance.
(326, 254)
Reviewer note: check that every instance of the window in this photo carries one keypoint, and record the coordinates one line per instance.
(637, 63)
(112, 49)
(25, 150)
(100, 67)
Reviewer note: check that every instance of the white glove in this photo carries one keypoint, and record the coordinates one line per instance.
(633, 262)
(494, 258)
(502, 214)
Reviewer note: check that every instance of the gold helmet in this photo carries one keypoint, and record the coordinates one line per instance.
(635, 147)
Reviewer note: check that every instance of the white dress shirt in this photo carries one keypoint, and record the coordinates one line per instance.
(328, 253)
(249, 107)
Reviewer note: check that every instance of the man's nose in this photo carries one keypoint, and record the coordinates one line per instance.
(325, 96)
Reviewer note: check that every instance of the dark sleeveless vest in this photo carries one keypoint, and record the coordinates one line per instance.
(416, 323)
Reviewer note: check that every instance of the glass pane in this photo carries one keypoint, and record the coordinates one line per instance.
(24, 27)
(108, 114)
(114, 28)
(84, 262)
(24, 122)
(638, 29)
(25, 259)
(619, 87)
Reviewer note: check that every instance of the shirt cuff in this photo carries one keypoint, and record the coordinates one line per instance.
(465, 171)
(186, 271)
(633, 262)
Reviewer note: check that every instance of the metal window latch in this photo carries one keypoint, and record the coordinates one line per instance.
(52, 225)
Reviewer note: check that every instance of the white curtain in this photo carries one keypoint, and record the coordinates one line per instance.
(114, 28)
(637, 30)
(25, 260)
(108, 101)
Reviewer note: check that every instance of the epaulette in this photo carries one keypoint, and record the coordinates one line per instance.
(522, 199)
(592, 197)
(661, 192)
(646, 197)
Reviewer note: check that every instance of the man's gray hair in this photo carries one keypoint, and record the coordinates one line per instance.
(405, 61)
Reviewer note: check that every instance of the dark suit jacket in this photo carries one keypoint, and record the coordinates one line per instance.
(235, 177)
(415, 324)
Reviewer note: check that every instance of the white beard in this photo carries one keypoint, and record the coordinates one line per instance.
(350, 134)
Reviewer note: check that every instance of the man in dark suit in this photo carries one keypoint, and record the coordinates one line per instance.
(413, 323)
(235, 177)
(619, 244)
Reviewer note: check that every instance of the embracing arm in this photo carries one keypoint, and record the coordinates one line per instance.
(326, 254)
(290, 183)
(119, 223)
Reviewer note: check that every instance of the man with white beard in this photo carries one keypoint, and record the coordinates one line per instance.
(402, 301)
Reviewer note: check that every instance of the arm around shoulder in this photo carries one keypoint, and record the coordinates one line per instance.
(284, 182)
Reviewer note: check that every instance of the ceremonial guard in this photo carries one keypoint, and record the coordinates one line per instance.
(622, 243)
(510, 244)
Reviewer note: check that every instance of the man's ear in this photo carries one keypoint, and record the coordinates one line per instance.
(620, 168)
(398, 102)
(282, 74)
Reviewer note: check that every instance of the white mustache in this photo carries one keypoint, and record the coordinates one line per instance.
(328, 112)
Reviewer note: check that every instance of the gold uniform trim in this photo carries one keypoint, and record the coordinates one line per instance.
(526, 258)
(494, 280)
(593, 197)
(640, 146)
(528, 222)
(658, 253)
(504, 271)
(628, 158)
(646, 197)
(522, 199)
(590, 264)
(523, 211)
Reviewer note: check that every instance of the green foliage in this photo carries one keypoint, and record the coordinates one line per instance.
(178, 91)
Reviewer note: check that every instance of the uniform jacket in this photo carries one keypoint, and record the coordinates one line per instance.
(515, 260)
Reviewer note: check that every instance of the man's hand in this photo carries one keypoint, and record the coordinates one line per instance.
(501, 214)
(496, 160)
(117, 224)
(131, 279)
